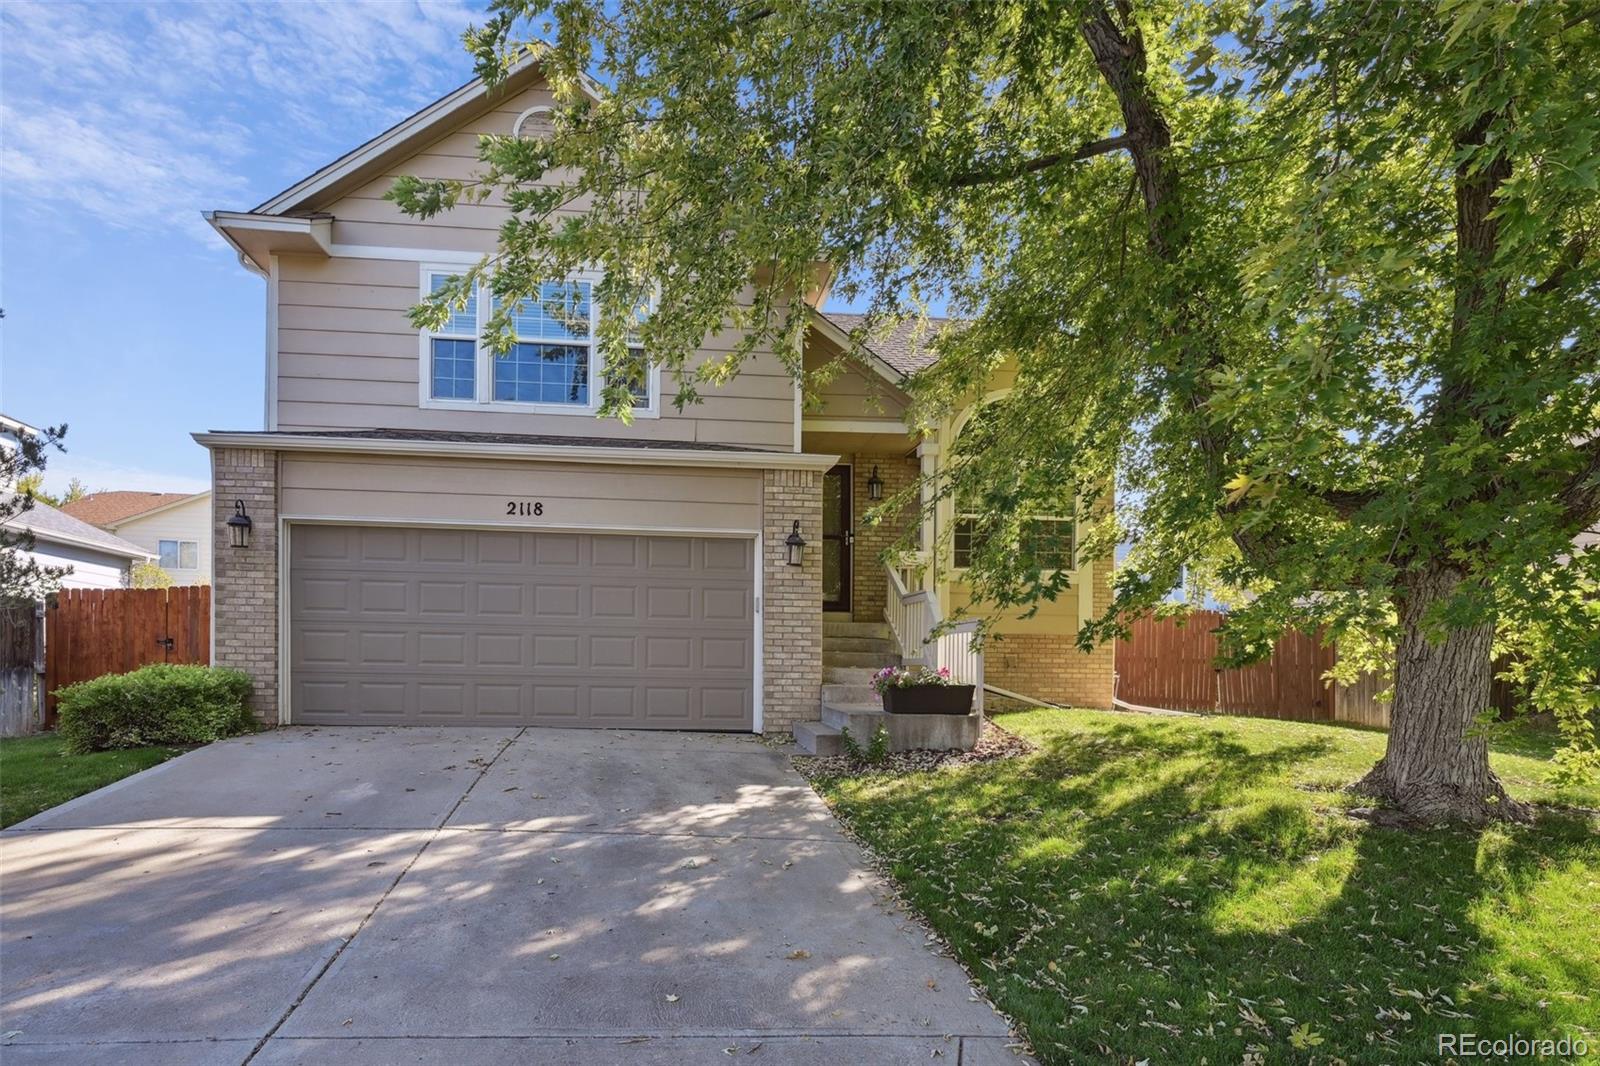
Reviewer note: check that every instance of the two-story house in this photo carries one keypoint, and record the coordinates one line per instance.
(438, 535)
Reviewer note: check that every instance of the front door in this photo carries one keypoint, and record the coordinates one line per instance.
(836, 539)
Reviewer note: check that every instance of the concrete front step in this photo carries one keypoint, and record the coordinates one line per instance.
(907, 732)
(818, 739)
(832, 628)
(869, 659)
(847, 675)
(886, 648)
(850, 693)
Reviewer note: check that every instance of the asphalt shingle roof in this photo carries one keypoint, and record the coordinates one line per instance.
(905, 347)
(47, 523)
(110, 508)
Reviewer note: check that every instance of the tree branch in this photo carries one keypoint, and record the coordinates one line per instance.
(1103, 146)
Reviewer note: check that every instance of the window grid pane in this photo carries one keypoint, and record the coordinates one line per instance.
(560, 313)
(188, 555)
(640, 387)
(168, 550)
(454, 372)
(543, 373)
(1048, 543)
(464, 322)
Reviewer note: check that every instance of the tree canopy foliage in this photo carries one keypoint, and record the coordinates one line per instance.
(1313, 284)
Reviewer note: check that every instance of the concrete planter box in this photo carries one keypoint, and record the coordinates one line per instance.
(929, 699)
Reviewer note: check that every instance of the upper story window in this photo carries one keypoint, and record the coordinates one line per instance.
(553, 367)
(453, 351)
(550, 363)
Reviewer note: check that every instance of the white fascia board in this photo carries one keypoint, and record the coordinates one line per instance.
(51, 536)
(579, 453)
(436, 113)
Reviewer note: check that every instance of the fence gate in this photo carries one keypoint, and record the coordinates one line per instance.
(89, 632)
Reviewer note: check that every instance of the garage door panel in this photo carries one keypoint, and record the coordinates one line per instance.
(441, 626)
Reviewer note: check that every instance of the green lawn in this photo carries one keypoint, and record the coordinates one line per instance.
(1187, 890)
(36, 773)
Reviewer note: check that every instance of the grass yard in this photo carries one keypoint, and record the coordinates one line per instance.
(36, 773)
(1187, 890)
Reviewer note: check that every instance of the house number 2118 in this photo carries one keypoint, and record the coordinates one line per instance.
(525, 508)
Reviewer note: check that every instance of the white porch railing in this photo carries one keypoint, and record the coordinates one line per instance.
(913, 616)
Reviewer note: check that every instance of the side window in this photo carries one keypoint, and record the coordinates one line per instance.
(1048, 540)
(453, 350)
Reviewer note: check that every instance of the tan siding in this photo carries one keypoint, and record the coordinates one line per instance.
(475, 492)
(348, 358)
(855, 392)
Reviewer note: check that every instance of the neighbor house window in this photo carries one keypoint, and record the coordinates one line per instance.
(453, 350)
(639, 369)
(179, 554)
(551, 360)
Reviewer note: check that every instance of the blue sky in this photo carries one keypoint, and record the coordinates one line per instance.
(125, 316)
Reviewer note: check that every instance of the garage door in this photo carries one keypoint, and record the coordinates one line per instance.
(445, 627)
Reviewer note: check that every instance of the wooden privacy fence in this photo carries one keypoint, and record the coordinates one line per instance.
(90, 632)
(21, 662)
(1167, 663)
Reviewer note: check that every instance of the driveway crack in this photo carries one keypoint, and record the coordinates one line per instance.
(362, 924)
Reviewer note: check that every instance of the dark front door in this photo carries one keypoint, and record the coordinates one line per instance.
(836, 539)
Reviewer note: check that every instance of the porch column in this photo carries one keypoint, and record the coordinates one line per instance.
(928, 454)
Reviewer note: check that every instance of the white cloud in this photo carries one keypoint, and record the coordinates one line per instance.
(141, 117)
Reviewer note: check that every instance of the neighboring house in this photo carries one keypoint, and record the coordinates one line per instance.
(174, 526)
(440, 536)
(99, 560)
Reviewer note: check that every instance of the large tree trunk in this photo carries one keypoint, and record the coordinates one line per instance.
(1433, 770)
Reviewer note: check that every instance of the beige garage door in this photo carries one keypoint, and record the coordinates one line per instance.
(446, 627)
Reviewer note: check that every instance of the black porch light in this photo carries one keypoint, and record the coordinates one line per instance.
(796, 544)
(874, 486)
(239, 526)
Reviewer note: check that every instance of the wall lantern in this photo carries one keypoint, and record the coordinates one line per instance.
(874, 486)
(239, 526)
(796, 544)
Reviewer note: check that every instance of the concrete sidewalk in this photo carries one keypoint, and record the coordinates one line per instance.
(460, 897)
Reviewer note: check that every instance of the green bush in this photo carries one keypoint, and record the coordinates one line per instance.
(162, 703)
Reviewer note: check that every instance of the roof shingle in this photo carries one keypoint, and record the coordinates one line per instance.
(905, 347)
(110, 508)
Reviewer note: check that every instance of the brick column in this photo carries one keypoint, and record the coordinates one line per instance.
(791, 618)
(244, 581)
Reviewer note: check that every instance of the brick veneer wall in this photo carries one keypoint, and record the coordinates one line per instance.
(868, 587)
(791, 617)
(1050, 667)
(244, 581)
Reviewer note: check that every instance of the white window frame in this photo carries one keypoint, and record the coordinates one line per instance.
(178, 544)
(483, 359)
(957, 514)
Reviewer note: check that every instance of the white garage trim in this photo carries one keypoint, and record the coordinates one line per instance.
(286, 522)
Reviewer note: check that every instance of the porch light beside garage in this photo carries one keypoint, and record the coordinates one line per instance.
(796, 544)
(239, 526)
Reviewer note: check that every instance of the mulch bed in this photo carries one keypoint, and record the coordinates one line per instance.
(994, 744)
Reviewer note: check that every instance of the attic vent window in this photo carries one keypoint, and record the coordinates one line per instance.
(534, 122)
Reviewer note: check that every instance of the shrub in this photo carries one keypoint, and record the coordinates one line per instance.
(163, 703)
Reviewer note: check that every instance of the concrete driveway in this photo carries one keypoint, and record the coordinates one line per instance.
(465, 896)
